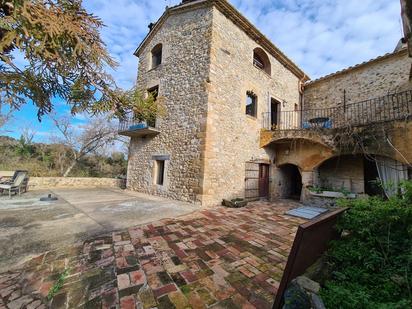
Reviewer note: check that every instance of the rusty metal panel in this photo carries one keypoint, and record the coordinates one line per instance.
(311, 241)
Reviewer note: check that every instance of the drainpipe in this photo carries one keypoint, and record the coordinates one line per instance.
(301, 87)
(269, 114)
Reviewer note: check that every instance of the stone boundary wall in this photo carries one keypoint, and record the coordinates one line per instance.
(36, 183)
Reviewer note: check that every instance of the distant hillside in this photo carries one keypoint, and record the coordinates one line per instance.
(44, 160)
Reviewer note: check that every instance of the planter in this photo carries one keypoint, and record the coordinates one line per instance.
(333, 194)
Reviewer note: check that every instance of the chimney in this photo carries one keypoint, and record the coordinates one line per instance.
(151, 25)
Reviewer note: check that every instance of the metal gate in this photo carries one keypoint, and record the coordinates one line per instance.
(252, 180)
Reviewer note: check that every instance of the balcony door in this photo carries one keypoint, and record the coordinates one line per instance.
(274, 113)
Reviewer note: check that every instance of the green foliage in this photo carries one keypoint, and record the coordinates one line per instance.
(52, 160)
(372, 264)
(65, 58)
(24, 148)
(58, 284)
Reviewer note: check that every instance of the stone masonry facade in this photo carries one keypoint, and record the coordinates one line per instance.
(232, 137)
(384, 75)
(206, 138)
(181, 79)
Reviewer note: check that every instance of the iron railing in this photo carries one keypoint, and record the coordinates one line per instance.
(131, 124)
(397, 106)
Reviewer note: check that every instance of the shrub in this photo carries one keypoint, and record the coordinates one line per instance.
(372, 264)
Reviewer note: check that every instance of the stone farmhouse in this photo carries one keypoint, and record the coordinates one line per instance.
(243, 120)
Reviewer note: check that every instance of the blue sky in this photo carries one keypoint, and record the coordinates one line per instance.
(321, 36)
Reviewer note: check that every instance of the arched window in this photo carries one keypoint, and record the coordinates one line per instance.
(157, 56)
(261, 60)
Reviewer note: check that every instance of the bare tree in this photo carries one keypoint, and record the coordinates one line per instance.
(5, 116)
(95, 135)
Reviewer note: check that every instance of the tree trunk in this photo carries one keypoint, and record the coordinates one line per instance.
(69, 169)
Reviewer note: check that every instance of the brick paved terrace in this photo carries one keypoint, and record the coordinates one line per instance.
(218, 258)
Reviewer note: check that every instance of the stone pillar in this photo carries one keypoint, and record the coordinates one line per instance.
(275, 180)
(308, 180)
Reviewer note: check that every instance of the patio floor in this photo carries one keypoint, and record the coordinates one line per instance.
(29, 227)
(218, 258)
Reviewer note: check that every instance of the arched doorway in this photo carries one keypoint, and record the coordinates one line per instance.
(291, 182)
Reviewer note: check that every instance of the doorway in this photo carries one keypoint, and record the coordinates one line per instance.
(291, 182)
(274, 113)
(371, 178)
(263, 180)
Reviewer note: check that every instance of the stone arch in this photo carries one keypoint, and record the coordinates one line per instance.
(356, 173)
(306, 154)
(261, 60)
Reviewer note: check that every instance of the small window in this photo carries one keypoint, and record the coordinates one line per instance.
(154, 92)
(257, 61)
(251, 104)
(261, 60)
(160, 172)
(157, 56)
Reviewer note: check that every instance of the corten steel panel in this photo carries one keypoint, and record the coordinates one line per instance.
(311, 241)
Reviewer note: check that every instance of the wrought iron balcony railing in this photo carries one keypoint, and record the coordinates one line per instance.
(391, 107)
(132, 127)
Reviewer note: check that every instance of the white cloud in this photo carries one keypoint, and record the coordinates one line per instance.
(321, 36)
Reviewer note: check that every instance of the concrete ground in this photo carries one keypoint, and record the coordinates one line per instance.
(29, 227)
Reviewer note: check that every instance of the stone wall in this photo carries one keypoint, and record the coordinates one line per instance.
(386, 75)
(343, 172)
(182, 79)
(36, 183)
(232, 137)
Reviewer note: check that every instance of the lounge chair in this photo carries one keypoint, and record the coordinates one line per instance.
(17, 185)
(6, 176)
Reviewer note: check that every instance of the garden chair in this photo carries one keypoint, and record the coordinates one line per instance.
(6, 176)
(18, 184)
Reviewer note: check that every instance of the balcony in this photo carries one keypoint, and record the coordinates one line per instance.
(391, 107)
(135, 128)
(320, 125)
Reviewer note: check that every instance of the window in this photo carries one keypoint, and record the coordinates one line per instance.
(257, 61)
(154, 92)
(160, 172)
(251, 104)
(261, 60)
(156, 56)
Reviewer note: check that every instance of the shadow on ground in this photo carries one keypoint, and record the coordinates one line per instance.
(29, 227)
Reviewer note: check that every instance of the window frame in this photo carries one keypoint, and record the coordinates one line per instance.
(251, 95)
(160, 172)
(156, 56)
(261, 61)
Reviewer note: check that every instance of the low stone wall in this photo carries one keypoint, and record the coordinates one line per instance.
(36, 183)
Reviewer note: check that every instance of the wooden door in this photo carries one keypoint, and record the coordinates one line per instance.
(264, 180)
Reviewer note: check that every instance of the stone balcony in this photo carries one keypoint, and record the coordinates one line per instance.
(323, 125)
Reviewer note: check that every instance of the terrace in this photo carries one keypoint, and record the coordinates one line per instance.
(392, 107)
